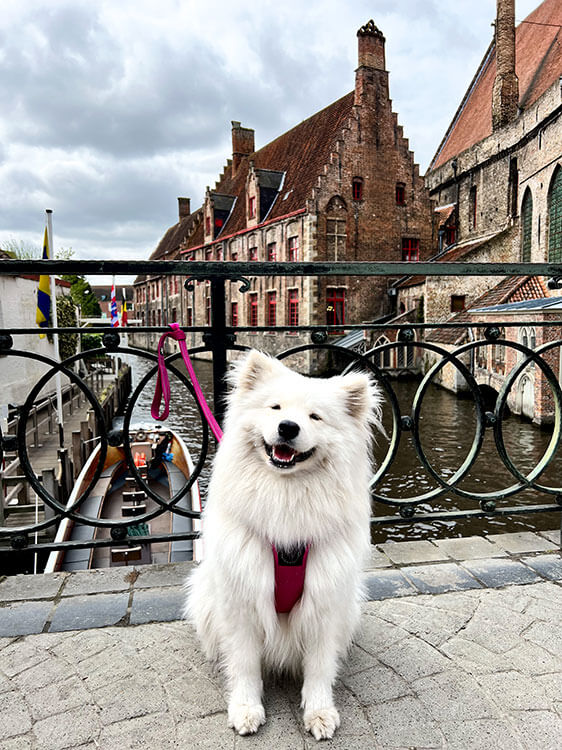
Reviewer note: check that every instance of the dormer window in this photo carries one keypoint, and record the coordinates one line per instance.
(357, 188)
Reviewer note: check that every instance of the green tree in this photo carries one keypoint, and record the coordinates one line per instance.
(83, 296)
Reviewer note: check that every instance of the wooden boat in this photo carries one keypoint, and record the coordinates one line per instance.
(163, 461)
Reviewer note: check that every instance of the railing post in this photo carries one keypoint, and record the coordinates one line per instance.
(217, 342)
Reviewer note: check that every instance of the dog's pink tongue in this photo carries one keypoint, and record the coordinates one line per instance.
(283, 452)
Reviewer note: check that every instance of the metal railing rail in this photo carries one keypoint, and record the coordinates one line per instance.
(219, 339)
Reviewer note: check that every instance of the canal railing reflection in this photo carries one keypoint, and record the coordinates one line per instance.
(368, 346)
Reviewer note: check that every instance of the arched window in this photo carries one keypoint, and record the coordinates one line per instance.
(382, 359)
(555, 218)
(526, 226)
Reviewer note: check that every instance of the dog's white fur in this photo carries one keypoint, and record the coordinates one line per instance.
(322, 501)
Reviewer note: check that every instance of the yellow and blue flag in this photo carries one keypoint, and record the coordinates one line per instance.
(44, 292)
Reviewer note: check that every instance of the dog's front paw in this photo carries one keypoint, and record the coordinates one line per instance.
(246, 718)
(322, 723)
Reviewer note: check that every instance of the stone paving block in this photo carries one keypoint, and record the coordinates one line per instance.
(17, 743)
(81, 612)
(539, 729)
(113, 664)
(406, 553)
(413, 658)
(137, 695)
(387, 583)
(57, 697)
(515, 691)
(70, 729)
(377, 559)
(521, 542)
(23, 618)
(193, 696)
(469, 548)
(546, 635)
(404, 723)
(27, 587)
(20, 655)
(156, 731)
(494, 573)
(377, 685)
(553, 535)
(16, 718)
(472, 657)
(173, 574)
(480, 734)
(50, 671)
(437, 579)
(157, 605)
(279, 732)
(453, 696)
(99, 581)
(547, 566)
(210, 733)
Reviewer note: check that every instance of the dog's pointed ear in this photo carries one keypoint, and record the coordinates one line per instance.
(253, 370)
(362, 400)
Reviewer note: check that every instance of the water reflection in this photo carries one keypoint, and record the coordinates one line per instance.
(447, 428)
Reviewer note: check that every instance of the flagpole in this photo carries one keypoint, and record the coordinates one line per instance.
(54, 318)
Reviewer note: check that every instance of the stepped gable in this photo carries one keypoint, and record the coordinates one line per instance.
(176, 236)
(538, 64)
(300, 153)
(510, 289)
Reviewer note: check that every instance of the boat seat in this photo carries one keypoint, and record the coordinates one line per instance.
(133, 509)
(126, 554)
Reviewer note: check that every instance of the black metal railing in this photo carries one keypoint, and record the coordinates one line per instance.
(412, 351)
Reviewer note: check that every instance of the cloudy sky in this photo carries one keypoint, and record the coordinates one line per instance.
(110, 109)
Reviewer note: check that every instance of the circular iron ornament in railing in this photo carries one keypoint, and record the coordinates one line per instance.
(379, 376)
(171, 503)
(319, 337)
(25, 462)
(411, 423)
(530, 480)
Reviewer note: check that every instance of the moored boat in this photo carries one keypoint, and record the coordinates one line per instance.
(165, 466)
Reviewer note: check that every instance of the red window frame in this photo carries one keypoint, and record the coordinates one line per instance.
(293, 249)
(252, 207)
(450, 235)
(272, 251)
(271, 308)
(410, 249)
(253, 309)
(234, 314)
(400, 194)
(335, 306)
(253, 253)
(293, 307)
(357, 188)
(219, 223)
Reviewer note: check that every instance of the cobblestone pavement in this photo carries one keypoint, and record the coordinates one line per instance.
(465, 669)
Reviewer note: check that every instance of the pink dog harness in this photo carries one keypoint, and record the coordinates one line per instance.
(290, 565)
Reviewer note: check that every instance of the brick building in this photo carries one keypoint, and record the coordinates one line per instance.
(496, 180)
(340, 186)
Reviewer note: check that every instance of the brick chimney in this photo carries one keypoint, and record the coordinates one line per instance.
(242, 144)
(370, 58)
(184, 207)
(505, 94)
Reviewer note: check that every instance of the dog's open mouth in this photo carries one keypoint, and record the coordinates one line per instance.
(283, 456)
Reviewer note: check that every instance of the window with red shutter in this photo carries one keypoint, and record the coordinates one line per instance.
(410, 249)
(293, 307)
(293, 249)
(271, 308)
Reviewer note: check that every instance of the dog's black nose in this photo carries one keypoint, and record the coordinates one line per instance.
(288, 429)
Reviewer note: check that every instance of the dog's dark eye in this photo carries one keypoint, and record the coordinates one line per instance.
(276, 406)
(315, 417)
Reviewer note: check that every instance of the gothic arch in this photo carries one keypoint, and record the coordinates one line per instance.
(555, 217)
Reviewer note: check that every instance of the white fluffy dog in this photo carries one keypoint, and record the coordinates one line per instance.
(291, 476)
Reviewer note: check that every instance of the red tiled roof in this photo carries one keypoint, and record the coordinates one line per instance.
(538, 51)
(300, 153)
(443, 213)
(510, 289)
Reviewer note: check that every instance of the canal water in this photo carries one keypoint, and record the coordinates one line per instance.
(447, 428)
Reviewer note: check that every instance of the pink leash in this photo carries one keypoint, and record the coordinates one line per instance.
(289, 579)
(163, 384)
